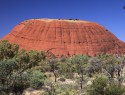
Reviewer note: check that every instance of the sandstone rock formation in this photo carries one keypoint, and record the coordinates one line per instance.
(65, 37)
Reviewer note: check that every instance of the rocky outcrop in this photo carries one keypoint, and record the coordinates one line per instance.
(65, 37)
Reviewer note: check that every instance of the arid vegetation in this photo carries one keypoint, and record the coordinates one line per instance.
(76, 75)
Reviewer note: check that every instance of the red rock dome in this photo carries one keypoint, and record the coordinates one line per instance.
(65, 37)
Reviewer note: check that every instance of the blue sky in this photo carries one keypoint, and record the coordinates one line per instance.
(108, 13)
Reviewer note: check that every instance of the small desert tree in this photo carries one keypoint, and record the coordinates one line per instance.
(8, 50)
(66, 68)
(94, 65)
(53, 65)
(80, 62)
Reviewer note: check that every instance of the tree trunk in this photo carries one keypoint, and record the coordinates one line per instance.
(54, 75)
(81, 83)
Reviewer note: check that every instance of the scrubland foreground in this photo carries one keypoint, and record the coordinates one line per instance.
(35, 73)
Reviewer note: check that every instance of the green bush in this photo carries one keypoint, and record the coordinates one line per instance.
(115, 88)
(101, 86)
(98, 86)
(37, 79)
(65, 89)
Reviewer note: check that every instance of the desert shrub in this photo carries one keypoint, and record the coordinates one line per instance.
(114, 88)
(95, 65)
(101, 86)
(65, 71)
(65, 89)
(37, 79)
(43, 66)
(63, 59)
(20, 81)
(98, 86)
(62, 79)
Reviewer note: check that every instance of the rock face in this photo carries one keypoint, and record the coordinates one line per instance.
(65, 37)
